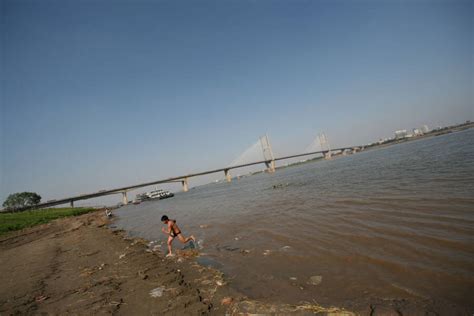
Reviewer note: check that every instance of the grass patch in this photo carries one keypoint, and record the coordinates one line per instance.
(15, 221)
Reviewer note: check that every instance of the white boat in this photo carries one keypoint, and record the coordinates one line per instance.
(155, 194)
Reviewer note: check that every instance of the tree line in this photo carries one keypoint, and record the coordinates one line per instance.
(18, 201)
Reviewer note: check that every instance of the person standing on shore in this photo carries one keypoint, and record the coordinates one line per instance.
(173, 231)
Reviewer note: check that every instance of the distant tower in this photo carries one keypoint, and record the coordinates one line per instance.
(324, 142)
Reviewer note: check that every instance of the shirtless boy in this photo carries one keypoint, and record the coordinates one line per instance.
(173, 231)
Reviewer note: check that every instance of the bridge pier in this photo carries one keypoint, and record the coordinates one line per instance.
(228, 177)
(327, 155)
(270, 166)
(124, 198)
(184, 182)
(72, 203)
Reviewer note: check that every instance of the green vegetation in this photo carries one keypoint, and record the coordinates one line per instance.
(19, 220)
(21, 200)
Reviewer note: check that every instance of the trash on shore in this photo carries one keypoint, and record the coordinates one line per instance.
(142, 275)
(249, 307)
(204, 226)
(153, 246)
(200, 244)
(157, 292)
(285, 248)
(206, 282)
(41, 298)
(266, 252)
(122, 256)
(114, 303)
(315, 280)
(293, 279)
(226, 301)
(87, 272)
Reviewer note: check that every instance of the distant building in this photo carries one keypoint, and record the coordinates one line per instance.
(400, 134)
(425, 129)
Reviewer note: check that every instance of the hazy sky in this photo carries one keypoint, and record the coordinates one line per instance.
(99, 94)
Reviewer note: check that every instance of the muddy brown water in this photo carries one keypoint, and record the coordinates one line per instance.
(394, 223)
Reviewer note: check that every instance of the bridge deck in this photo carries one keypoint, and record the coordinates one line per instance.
(172, 179)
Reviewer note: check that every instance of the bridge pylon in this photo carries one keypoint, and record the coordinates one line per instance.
(324, 142)
(267, 153)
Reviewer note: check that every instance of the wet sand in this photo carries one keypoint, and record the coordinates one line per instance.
(77, 265)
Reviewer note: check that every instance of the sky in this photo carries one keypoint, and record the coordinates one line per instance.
(100, 94)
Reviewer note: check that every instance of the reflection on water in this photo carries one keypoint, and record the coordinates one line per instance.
(396, 222)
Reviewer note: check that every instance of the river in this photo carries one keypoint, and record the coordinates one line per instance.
(393, 224)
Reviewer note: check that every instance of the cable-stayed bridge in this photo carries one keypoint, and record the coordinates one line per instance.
(258, 153)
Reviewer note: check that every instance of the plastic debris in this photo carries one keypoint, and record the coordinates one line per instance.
(142, 275)
(200, 243)
(315, 280)
(293, 279)
(157, 292)
(122, 256)
(41, 298)
(226, 301)
(266, 252)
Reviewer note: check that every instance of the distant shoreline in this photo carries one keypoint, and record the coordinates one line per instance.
(433, 133)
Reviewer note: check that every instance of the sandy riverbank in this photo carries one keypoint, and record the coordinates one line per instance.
(77, 265)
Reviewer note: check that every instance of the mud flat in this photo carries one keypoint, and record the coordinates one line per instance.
(78, 265)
